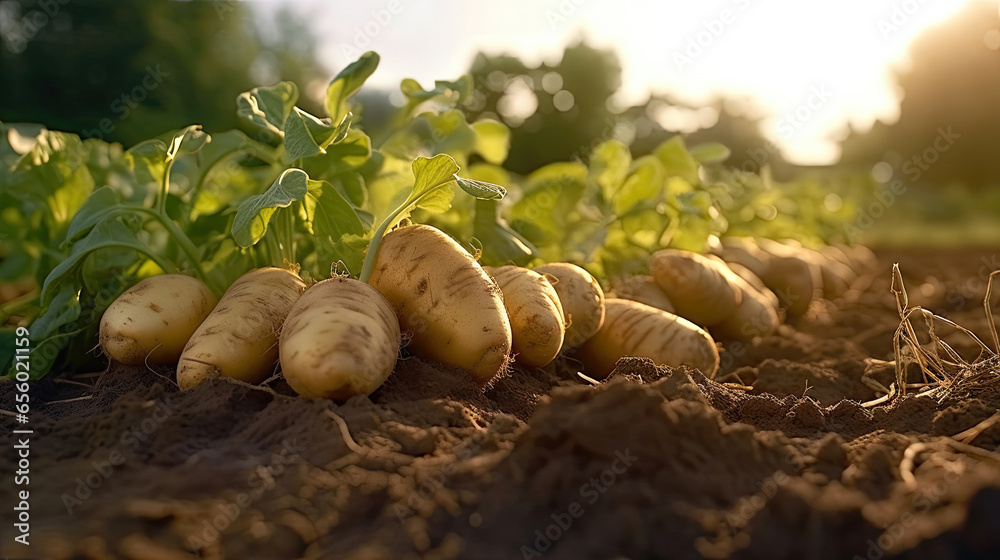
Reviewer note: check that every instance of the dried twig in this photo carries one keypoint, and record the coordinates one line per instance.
(968, 435)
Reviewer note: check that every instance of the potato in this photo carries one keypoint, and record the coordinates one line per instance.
(795, 279)
(340, 339)
(582, 300)
(239, 339)
(444, 299)
(536, 317)
(758, 285)
(757, 315)
(699, 288)
(635, 329)
(153, 320)
(644, 289)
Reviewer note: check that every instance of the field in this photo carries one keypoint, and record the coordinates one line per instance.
(775, 458)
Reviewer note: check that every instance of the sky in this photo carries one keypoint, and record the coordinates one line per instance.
(811, 66)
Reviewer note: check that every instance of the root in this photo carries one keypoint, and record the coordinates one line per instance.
(946, 374)
(968, 435)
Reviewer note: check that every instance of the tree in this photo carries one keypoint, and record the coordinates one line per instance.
(949, 113)
(127, 71)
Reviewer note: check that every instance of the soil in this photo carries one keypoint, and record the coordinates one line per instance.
(774, 458)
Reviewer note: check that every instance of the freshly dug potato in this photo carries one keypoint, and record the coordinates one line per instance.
(582, 300)
(644, 289)
(757, 284)
(536, 317)
(635, 329)
(239, 339)
(699, 288)
(795, 279)
(442, 296)
(836, 254)
(153, 320)
(340, 339)
(757, 315)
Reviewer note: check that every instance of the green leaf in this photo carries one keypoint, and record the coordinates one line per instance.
(710, 152)
(329, 215)
(148, 161)
(102, 204)
(548, 207)
(501, 245)
(347, 83)
(347, 155)
(644, 184)
(492, 140)
(452, 90)
(255, 212)
(609, 164)
(676, 160)
(268, 107)
(106, 234)
(188, 141)
(307, 135)
(482, 190)
(433, 186)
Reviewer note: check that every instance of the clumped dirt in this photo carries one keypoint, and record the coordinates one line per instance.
(775, 458)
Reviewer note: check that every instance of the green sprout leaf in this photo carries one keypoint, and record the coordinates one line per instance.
(268, 107)
(255, 213)
(677, 161)
(481, 189)
(347, 83)
(710, 152)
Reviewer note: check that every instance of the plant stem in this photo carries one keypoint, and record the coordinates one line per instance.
(17, 304)
(373, 245)
(161, 200)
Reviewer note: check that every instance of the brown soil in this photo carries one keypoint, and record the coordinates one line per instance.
(776, 458)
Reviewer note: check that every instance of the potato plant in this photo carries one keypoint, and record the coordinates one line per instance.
(133, 247)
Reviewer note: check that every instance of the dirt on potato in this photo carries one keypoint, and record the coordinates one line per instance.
(775, 458)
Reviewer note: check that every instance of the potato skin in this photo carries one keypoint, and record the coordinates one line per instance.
(153, 320)
(699, 288)
(340, 339)
(795, 279)
(442, 296)
(582, 300)
(757, 315)
(644, 289)
(239, 338)
(536, 316)
(635, 329)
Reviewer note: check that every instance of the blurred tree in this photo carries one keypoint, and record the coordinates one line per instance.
(125, 71)
(558, 112)
(554, 111)
(949, 114)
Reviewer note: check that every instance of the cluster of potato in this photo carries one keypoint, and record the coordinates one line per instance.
(340, 337)
(745, 288)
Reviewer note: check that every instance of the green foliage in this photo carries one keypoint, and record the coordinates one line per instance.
(83, 220)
